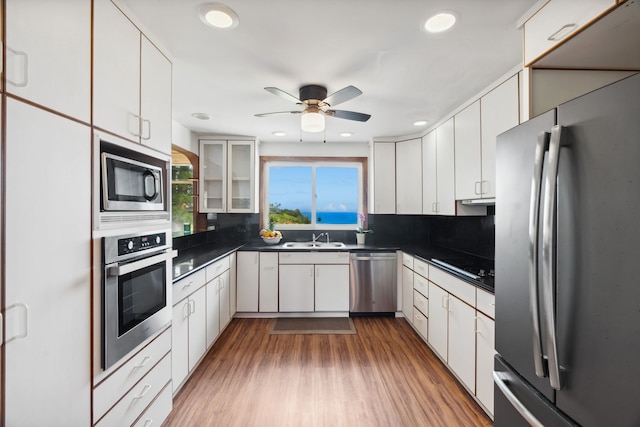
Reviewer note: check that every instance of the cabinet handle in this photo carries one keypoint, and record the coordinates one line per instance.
(192, 303)
(135, 125)
(186, 310)
(24, 81)
(25, 318)
(141, 364)
(418, 317)
(477, 188)
(221, 283)
(148, 422)
(482, 187)
(445, 302)
(142, 122)
(188, 285)
(555, 36)
(145, 390)
(475, 325)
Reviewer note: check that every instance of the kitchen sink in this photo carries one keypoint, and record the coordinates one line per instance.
(314, 245)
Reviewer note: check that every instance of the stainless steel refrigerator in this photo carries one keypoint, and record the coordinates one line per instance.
(567, 264)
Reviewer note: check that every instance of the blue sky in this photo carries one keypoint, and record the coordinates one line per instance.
(337, 188)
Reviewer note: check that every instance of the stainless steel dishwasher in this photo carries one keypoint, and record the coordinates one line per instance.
(373, 283)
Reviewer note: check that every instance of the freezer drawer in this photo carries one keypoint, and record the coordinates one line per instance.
(517, 403)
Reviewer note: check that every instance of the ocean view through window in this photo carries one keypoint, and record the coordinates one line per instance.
(312, 194)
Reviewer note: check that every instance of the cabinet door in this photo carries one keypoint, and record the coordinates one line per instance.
(47, 312)
(180, 343)
(268, 282)
(407, 293)
(213, 310)
(224, 293)
(155, 98)
(429, 174)
(247, 281)
(213, 175)
(445, 170)
(233, 284)
(197, 326)
(409, 177)
(384, 177)
(296, 287)
(462, 341)
(332, 287)
(499, 113)
(468, 152)
(116, 71)
(241, 176)
(485, 351)
(438, 319)
(48, 54)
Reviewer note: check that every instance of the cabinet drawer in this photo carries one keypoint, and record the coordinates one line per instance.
(138, 398)
(486, 303)
(107, 393)
(557, 20)
(158, 411)
(421, 285)
(459, 288)
(421, 323)
(407, 260)
(314, 258)
(421, 267)
(217, 268)
(421, 303)
(185, 287)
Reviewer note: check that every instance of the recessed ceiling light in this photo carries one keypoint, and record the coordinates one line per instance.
(278, 133)
(218, 16)
(440, 22)
(346, 134)
(420, 123)
(201, 116)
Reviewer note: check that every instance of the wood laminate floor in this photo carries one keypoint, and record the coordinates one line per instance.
(382, 376)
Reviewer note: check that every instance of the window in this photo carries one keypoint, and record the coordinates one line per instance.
(313, 193)
(183, 196)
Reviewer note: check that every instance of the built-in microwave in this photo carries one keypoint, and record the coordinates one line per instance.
(133, 184)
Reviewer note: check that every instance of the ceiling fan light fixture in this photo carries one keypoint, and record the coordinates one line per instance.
(312, 122)
(218, 16)
(441, 22)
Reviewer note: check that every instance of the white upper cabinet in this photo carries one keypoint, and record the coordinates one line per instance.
(468, 152)
(556, 21)
(46, 58)
(409, 177)
(499, 112)
(132, 81)
(438, 163)
(384, 177)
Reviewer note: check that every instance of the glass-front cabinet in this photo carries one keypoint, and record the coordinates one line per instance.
(227, 176)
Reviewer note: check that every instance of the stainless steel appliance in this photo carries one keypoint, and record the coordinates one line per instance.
(136, 291)
(133, 184)
(567, 294)
(373, 282)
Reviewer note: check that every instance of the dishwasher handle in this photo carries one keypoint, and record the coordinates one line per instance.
(369, 257)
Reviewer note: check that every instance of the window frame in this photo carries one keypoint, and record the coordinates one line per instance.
(360, 162)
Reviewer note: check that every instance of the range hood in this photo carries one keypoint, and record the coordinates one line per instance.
(479, 202)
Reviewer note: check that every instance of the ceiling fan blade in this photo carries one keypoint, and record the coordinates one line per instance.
(349, 115)
(343, 95)
(283, 94)
(277, 112)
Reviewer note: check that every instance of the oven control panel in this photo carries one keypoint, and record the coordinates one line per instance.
(129, 245)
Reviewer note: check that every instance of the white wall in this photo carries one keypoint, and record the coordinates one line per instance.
(184, 138)
(315, 149)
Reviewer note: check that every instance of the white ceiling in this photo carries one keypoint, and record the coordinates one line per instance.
(405, 74)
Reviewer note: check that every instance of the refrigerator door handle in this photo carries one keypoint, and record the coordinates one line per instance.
(542, 146)
(501, 378)
(548, 257)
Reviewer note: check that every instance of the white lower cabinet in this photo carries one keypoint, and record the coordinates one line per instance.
(218, 314)
(332, 287)
(407, 293)
(485, 352)
(438, 320)
(268, 294)
(247, 276)
(213, 312)
(462, 341)
(189, 336)
(296, 288)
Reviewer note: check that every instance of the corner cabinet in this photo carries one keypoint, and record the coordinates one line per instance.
(227, 176)
(131, 81)
(409, 177)
(384, 178)
(438, 178)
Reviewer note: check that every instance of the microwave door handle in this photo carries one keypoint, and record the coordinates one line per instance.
(122, 269)
(542, 146)
(150, 195)
(548, 258)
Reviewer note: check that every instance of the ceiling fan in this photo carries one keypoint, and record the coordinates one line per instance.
(316, 104)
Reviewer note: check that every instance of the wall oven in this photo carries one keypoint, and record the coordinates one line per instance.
(136, 291)
(133, 184)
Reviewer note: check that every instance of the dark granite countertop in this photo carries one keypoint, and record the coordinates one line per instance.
(192, 259)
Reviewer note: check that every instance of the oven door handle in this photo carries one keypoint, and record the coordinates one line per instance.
(126, 268)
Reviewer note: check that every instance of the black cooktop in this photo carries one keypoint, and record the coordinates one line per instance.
(475, 268)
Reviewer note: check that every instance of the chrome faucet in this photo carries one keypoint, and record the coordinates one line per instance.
(315, 238)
